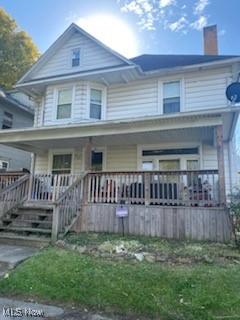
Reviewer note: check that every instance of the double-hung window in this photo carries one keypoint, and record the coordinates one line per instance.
(61, 163)
(96, 102)
(64, 104)
(75, 58)
(171, 97)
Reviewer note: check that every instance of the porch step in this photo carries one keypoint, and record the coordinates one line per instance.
(28, 219)
(9, 220)
(26, 229)
(33, 241)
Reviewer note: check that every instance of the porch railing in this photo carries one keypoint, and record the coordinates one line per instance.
(185, 188)
(49, 187)
(66, 207)
(6, 179)
(14, 194)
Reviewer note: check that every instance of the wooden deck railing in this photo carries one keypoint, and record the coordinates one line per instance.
(48, 187)
(66, 207)
(14, 194)
(6, 179)
(185, 188)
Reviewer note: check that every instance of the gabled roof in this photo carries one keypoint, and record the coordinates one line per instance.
(154, 62)
(73, 28)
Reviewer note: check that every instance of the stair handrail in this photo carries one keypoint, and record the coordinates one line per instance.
(65, 208)
(14, 199)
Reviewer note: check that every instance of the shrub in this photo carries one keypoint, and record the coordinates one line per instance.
(233, 211)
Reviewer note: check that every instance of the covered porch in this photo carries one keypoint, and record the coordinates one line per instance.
(163, 204)
(130, 173)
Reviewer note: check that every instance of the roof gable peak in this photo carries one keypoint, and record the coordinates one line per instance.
(62, 39)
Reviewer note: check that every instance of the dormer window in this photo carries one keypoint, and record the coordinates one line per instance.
(75, 58)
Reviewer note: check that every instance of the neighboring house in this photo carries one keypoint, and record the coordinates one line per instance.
(159, 127)
(16, 111)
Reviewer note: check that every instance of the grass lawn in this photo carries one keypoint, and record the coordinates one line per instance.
(201, 289)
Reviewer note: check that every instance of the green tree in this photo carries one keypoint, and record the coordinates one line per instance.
(17, 51)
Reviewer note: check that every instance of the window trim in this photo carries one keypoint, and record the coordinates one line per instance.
(181, 92)
(55, 103)
(60, 152)
(182, 157)
(70, 58)
(103, 106)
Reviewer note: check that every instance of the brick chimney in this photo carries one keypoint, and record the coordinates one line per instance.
(210, 40)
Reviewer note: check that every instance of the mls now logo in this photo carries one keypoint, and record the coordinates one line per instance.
(11, 312)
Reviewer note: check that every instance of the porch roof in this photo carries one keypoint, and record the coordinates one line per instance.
(165, 128)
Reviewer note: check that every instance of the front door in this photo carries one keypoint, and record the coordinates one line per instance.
(97, 161)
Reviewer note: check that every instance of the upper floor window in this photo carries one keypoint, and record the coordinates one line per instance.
(64, 104)
(171, 97)
(7, 120)
(96, 104)
(75, 58)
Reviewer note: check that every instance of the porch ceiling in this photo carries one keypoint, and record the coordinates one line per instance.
(159, 129)
(199, 134)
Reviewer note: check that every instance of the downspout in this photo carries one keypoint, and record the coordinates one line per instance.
(230, 161)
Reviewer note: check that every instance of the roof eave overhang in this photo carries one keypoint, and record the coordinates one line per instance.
(191, 68)
(74, 77)
(17, 106)
(106, 128)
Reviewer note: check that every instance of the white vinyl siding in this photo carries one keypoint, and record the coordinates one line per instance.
(144, 98)
(209, 157)
(41, 164)
(204, 90)
(210, 162)
(93, 57)
(122, 158)
(132, 100)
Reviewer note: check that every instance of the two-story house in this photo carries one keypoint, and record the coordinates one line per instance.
(16, 111)
(152, 134)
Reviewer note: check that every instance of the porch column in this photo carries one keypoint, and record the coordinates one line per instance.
(220, 157)
(88, 155)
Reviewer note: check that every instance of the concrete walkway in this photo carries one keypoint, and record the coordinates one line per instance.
(11, 256)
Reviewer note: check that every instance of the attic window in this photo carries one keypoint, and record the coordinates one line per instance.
(75, 58)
